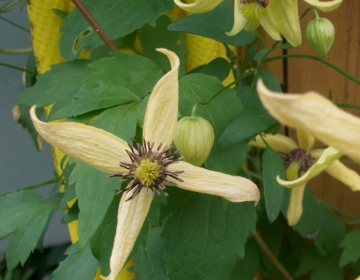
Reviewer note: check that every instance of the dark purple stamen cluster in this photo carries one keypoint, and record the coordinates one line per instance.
(138, 153)
(301, 156)
(262, 2)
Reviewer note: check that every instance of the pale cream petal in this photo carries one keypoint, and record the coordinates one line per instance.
(345, 175)
(162, 109)
(93, 146)
(325, 6)
(306, 141)
(317, 116)
(328, 156)
(198, 6)
(295, 208)
(270, 27)
(285, 17)
(239, 20)
(278, 142)
(233, 188)
(131, 217)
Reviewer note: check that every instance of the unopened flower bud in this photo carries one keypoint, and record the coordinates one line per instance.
(320, 33)
(194, 137)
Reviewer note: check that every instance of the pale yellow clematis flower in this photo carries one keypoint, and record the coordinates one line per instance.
(294, 110)
(275, 16)
(104, 151)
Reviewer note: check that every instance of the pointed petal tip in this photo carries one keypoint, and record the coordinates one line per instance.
(198, 6)
(173, 58)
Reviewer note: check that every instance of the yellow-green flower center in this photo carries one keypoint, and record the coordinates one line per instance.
(253, 11)
(292, 172)
(147, 172)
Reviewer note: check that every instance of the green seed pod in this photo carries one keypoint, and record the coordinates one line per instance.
(194, 136)
(320, 34)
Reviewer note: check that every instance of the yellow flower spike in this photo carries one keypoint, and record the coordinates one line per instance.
(328, 156)
(158, 127)
(198, 6)
(316, 115)
(295, 208)
(327, 6)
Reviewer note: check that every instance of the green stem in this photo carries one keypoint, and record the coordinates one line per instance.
(17, 68)
(253, 174)
(18, 51)
(271, 256)
(331, 65)
(48, 182)
(15, 24)
(307, 10)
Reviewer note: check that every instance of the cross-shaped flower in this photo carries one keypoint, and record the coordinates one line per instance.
(276, 17)
(307, 113)
(147, 166)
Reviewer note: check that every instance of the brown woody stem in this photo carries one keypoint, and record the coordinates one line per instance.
(87, 15)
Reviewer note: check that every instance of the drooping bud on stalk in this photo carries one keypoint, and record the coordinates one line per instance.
(194, 136)
(320, 33)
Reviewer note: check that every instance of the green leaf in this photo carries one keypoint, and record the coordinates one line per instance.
(160, 37)
(121, 120)
(117, 18)
(26, 214)
(72, 214)
(102, 241)
(100, 97)
(80, 264)
(19, 209)
(272, 166)
(247, 268)
(25, 239)
(59, 83)
(148, 261)
(270, 80)
(262, 53)
(213, 25)
(331, 233)
(351, 245)
(218, 67)
(324, 267)
(198, 87)
(94, 192)
(201, 239)
(135, 73)
(249, 123)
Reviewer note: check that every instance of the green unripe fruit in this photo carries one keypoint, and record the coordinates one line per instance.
(320, 34)
(194, 136)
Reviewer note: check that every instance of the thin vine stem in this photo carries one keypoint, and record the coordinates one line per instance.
(271, 256)
(17, 68)
(15, 24)
(319, 59)
(94, 24)
(16, 51)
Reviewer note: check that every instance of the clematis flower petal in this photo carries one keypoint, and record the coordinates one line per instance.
(285, 17)
(233, 188)
(131, 217)
(317, 116)
(239, 20)
(306, 141)
(198, 6)
(295, 208)
(270, 28)
(278, 143)
(328, 156)
(162, 109)
(325, 6)
(91, 145)
(345, 175)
